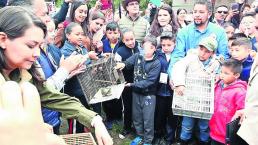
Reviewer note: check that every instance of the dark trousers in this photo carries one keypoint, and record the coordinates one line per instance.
(163, 106)
(127, 108)
(166, 124)
(143, 116)
(113, 109)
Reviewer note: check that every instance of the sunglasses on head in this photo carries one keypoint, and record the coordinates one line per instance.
(225, 12)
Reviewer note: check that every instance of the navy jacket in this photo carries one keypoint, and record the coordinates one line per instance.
(107, 48)
(125, 53)
(247, 65)
(164, 90)
(145, 75)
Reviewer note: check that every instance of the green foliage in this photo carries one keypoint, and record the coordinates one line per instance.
(58, 3)
(143, 3)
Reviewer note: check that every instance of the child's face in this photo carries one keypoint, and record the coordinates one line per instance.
(247, 25)
(239, 52)
(230, 31)
(149, 49)
(227, 75)
(76, 35)
(204, 53)
(112, 35)
(167, 45)
(129, 40)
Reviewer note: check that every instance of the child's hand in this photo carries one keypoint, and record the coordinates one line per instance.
(107, 54)
(239, 113)
(120, 66)
(99, 46)
(180, 90)
(128, 85)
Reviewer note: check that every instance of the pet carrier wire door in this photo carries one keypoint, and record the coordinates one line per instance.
(198, 98)
(101, 82)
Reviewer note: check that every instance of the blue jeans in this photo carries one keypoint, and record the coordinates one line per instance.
(188, 127)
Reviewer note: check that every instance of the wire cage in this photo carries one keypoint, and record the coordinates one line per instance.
(79, 139)
(198, 98)
(101, 82)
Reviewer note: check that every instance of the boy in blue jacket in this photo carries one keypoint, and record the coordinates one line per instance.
(163, 112)
(112, 108)
(111, 43)
(240, 50)
(146, 72)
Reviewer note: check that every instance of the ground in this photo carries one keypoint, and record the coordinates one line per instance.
(117, 128)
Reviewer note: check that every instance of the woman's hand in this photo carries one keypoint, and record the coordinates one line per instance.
(101, 133)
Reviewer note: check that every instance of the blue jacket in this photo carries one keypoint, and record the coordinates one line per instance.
(189, 38)
(145, 75)
(49, 62)
(107, 48)
(164, 90)
(125, 53)
(247, 65)
(72, 86)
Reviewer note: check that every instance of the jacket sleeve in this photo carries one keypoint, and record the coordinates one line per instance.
(151, 77)
(178, 53)
(129, 63)
(179, 71)
(70, 107)
(61, 15)
(57, 80)
(223, 45)
(240, 99)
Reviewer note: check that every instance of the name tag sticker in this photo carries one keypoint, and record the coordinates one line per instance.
(163, 78)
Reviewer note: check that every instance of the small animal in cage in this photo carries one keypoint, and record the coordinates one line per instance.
(106, 91)
(101, 82)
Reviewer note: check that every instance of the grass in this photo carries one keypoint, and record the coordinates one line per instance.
(117, 128)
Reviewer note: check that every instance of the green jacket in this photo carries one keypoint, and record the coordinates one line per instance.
(70, 107)
(140, 26)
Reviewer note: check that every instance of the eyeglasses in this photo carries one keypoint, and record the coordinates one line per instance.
(224, 12)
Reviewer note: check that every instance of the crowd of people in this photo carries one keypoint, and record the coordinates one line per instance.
(41, 55)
